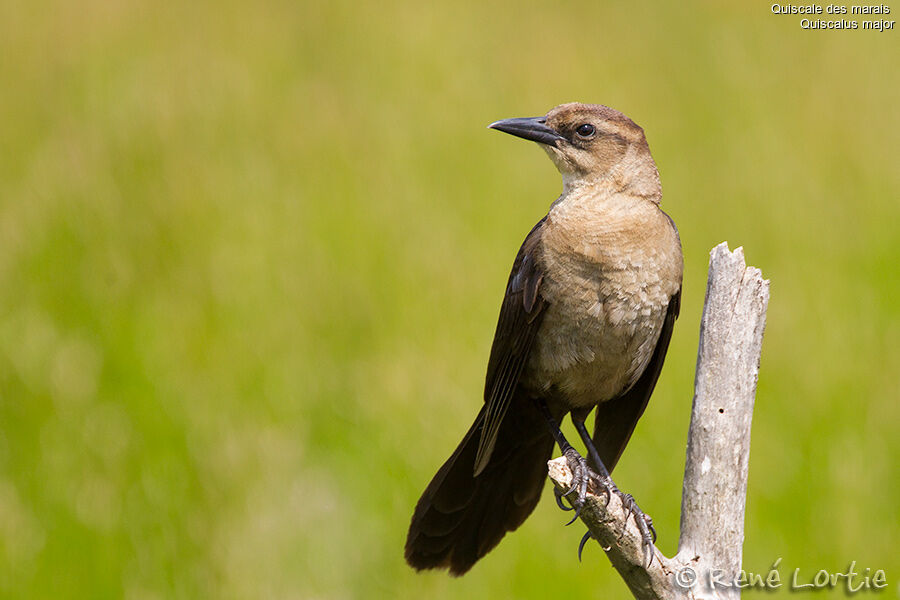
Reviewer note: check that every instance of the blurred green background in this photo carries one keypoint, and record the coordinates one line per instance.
(251, 259)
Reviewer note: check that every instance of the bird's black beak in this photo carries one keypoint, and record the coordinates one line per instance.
(531, 128)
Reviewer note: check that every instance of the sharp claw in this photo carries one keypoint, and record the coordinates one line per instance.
(559, 496)
(605, 490)
(605, 486)
(584, 540)
(560, 504)
(628, 508)
(650, 527)
(644, 524)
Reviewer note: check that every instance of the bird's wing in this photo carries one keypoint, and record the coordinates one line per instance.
(616, 418)
(520, 318)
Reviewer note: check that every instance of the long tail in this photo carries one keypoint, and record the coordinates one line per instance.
(460, 518)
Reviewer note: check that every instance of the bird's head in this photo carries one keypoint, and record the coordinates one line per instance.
(591, 144)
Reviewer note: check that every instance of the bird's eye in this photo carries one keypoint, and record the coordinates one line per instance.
(585, 130)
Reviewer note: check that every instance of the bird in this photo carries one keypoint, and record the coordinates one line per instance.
(585, 323)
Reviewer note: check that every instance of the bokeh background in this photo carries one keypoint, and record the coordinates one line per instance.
(252, 255)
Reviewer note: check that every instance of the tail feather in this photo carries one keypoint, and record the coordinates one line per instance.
(459, 517)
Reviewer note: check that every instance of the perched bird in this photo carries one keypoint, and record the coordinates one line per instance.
(586, 321)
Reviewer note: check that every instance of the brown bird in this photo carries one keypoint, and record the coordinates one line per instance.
(586, 321)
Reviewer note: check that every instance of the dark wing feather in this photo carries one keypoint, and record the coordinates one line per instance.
(616, 419)
(520, 318)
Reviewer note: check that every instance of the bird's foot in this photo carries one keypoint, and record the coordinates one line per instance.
(606, 486)
(644, 524)
(641, 519)
(581, 475)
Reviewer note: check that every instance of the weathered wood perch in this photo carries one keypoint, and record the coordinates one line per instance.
(715, 474)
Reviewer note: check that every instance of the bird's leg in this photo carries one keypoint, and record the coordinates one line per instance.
(580, 472)
(642, 520)
(603, 478)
